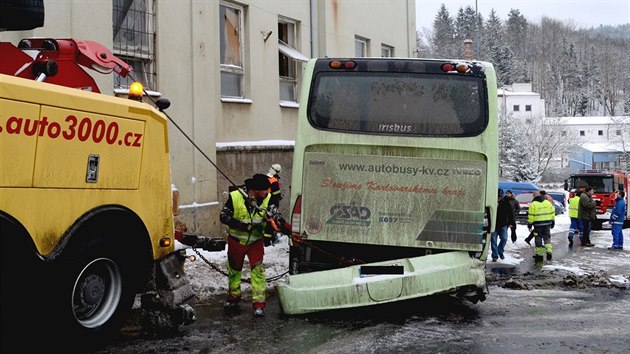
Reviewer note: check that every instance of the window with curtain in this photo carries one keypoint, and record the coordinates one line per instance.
(134, 40)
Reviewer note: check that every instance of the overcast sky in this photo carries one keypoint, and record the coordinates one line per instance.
(584, 13)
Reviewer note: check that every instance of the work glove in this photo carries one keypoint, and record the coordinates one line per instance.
(553, 223)
(271, 240)
(244, 227)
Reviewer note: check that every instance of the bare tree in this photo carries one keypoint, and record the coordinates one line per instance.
(545, 140)
(621, 134)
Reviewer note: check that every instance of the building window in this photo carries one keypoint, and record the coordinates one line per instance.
(582, 133)
(618, 132)
(134, 36)
(516, 108)
(600, 132)
(231, 50)
(288, 58)
(387, 51)
(528, 108)
(606, 165)
(361, 46)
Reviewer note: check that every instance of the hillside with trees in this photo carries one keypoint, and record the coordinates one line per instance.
(578, 72)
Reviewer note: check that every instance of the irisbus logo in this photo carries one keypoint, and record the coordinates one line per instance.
(356, 215)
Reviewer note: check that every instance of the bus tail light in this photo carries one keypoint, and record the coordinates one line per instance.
(461, 68)
(338, 64)
(448, 67)
(296, 218)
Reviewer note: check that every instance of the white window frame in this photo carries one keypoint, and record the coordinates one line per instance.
(287, 53)
(361, 47)
(232, 71)
(387, 51)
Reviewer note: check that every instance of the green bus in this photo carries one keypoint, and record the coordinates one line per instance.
(394, 185)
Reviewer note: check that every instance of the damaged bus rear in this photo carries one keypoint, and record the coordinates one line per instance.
(394, 182)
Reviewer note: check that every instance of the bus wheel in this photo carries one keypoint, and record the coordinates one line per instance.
(99, 290)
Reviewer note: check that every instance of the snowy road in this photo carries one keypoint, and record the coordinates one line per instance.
(576, 303)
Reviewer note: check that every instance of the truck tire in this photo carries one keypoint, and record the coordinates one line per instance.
(19, 15)
(22, 272)
(97, 294)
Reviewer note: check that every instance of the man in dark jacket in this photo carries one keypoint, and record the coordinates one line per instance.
(586, 213)
(516, 206)
(505, 218)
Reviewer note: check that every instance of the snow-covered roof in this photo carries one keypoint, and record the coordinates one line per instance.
(501, 92)
(597, 120)
(602, 147)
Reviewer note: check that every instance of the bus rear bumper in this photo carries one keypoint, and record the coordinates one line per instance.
(346, 288)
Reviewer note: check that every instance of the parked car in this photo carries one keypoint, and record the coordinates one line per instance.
(518, 187)
(525, 200)
(560, 209)
(560, 197)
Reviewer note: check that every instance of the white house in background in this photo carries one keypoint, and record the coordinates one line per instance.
(602, 141)
(604, 129)
(519, 101)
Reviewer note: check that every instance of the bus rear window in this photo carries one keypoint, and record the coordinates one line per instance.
(398, 103)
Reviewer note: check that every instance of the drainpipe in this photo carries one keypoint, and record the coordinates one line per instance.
(313, 19)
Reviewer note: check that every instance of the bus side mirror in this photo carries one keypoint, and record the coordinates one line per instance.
(566, 185)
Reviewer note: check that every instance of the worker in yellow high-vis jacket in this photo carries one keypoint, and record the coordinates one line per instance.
(576, 223)
(541, 217)
(244, 213)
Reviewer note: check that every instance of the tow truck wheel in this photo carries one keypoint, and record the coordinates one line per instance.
(98, 291)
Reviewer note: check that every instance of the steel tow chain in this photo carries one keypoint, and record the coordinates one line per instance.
(297, 240)
(221, 271)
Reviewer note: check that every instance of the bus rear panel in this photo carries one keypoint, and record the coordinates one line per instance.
(394, 178)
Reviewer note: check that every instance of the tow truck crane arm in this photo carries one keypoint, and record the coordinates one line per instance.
(60, 61)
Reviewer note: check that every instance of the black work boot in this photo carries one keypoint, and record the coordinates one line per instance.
(548, 256)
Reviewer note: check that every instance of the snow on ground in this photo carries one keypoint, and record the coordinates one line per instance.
(209, 283)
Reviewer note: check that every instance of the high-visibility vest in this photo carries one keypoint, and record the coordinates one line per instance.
(256, 217)
(574, 204)
(274, 188)
(541, 213)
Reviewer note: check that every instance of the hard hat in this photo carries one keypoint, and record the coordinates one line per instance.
(275, 169)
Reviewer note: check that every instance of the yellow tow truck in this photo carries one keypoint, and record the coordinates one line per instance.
(86, 205)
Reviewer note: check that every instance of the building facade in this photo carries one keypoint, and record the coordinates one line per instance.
(232, 71)
(605, 142)
(518, 100)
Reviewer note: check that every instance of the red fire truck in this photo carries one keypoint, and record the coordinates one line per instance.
(606, 184)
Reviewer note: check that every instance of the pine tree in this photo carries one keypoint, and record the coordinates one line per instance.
(443, 34)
